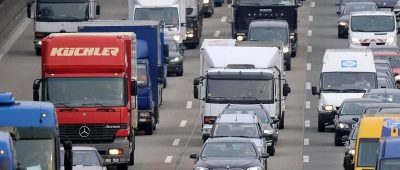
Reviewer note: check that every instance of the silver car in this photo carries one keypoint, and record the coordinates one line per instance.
(84, 158)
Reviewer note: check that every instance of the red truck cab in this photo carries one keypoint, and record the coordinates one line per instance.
(91, 79)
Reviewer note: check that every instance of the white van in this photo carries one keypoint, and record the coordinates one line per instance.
(370, 28)
(346, 73)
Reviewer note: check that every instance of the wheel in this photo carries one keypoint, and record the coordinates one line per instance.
(338, 141)
(38, 52)
(282, 121)
(122, 167)
(321, 125)
(179, 73)
(288, 65)
(207, 14)
(293, 54)
(165, 84)
(271, 149)
(132, 155)
(148, 129)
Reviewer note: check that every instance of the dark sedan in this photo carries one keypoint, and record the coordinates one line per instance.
(348, 114)
(350, 149)
(344, 16)
(229, 153)
(386, 95)
(175, 58)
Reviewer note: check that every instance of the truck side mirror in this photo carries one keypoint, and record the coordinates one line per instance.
(97, 9)
(36, 87)
(338, 12)
(133, 88)
(68, 157)
(166, 50)
(28, 9)
(286, 89)
(355, 119)
(196, 92)
(314, 91)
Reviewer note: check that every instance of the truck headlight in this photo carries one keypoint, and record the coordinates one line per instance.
(355, 41)
(352, 152)
(254, 168)
(343, 126)
(201, 168)
(285, 49)
(177, 37)
(390, 40)
(115, 152)
(176, 59)
(327, 107)
(189, 34)
(342, 23)
(144, 114)
(269, 132)
(206, 1)
(240, 38)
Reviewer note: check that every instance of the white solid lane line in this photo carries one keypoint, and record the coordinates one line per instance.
(168, 159)
(176, 142)
(183, 123)
(189, 104)
(216, 34)
(15, 35)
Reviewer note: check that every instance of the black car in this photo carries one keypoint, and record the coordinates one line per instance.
(348, 114)
(175, 58)
(344, 16)
(374, 108)
(350, 148)
(229, 153)
(269, 125)
(386, 95)
(342, 3)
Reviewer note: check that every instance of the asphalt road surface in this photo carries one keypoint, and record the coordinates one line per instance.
(300, 146)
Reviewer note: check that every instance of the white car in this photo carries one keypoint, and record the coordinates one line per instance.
(84, 158)
(372, 28)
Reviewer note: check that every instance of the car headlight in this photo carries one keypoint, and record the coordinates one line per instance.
(240, 38)
(285, 49)
(327, 107)
(176, 59)
(397, 77)
(39, 42)
(355, 41)
(189, 34)
(390, 40)
(342, 23)
(144, 114)
(291, 37)
(269, 132)
(352, 152)
(254, 168)
(177, 37)
(201, 168)
(206, 1)
(343, 126)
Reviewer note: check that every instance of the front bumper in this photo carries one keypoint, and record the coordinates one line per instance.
(343, 30)
(339, 133)
(326, 117)
(119, 143)
(175, 68)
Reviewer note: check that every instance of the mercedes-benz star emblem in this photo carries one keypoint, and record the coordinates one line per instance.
(84, 131)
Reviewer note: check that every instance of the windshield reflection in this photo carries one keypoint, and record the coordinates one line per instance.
(41, 155)
(62, 12)
(229, 150)
(348, 81)
(169, 15)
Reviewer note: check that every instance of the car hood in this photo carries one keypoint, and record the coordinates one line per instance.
(336, 99)
(386, 3)
(348, 119)
(224, 162)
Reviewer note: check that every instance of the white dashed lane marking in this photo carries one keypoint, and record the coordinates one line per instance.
(308, 85)
(189, 104)
(223, 19)
(312, 4)
(307, 123)
(306, 158)
(176, 142)
(183, 123)
(308, 66)
(307, 104)
(309, 33)
(216, 34)
(309, 49)
(306, 141)
(168, 159)
(310, 18)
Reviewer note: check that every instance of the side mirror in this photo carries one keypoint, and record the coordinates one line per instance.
(334, 112)
(206, 136)
(193, 156)
(314, 91)
(355, 119)
(229, 21)
(183, 24)
(196, 82)
(36, 87)
(134, 88)
(28, 9)
(275, 120)
(196, 92)
(166, 50)
(68, 157)
(338, 12)
(345, 138)
(97, 9)
(264, 155)
(286, 89)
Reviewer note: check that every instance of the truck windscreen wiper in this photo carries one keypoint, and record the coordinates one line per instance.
(354, 90)
(65, 105)
(250, 97)
(102, 106)
(334, 90)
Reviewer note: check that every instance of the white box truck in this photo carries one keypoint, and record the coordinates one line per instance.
(231, 74)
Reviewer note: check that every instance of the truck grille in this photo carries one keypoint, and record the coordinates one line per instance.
(367, 44)
(97, 133)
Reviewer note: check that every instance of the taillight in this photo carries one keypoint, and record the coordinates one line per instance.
(209, 119)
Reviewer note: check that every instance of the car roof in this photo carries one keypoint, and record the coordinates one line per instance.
(359, 100)
(228, 139)
(384, 90)
(269, 23)
(237, 118)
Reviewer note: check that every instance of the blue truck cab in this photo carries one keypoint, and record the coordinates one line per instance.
(152, 53)
(38, 144)
(388, 154)
(7, 154)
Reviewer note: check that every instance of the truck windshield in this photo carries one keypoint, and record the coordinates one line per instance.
(265, 2)
(62, 11)
(86, 92)
(36, 153)
(270, 34)
(142, 75)
(236, 130)
(371, 23)
(390, 164)
(350, 82)
(367, 149)
(169, 15)
(227, 90)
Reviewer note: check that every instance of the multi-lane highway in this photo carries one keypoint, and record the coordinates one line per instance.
(300, 146)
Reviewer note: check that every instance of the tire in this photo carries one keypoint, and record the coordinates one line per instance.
(321, 125)
(339, 35)
(191, 45)
(165, 84)
(293, 54)
(265, 164)
(38, 52)
(122, 167)
(207, 14)
(179, 73)
(148, 129)
(288, 64)
(271, 149)
(132, 155)
(338, 141)
(282, 121)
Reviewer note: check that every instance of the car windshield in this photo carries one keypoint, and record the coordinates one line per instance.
(142, 75)
(358, 7)
(266, 2)
(372, 23)
(367, 152)
(348, 81)
(353, 108)
(82, 157)
(229, 149)
(238, 90)
(262, 115)
(86, 92)
(269, 34)
(168, 15)
(386, 97)
(371, 110)
(236, 130)
(62, 11)
(390, 164)
(172, 46)
(394, 60)
(41, 155)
